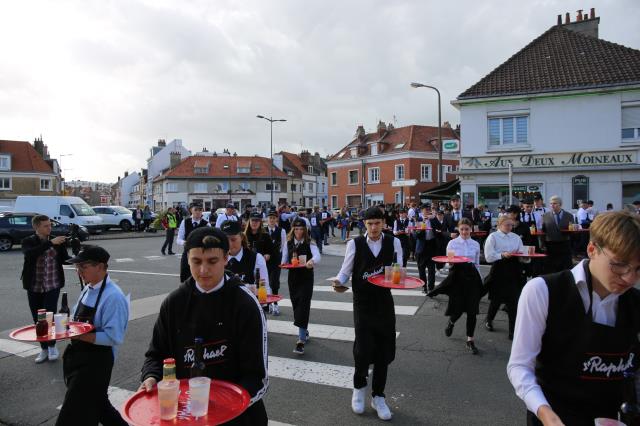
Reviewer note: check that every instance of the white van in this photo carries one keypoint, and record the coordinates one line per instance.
(63, 209)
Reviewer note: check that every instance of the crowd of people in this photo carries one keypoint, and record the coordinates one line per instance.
(574, 322)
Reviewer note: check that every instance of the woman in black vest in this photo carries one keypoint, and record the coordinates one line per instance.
(278, 238)
(257, 238)
(399, 227)
(300, 280)
(576, 334)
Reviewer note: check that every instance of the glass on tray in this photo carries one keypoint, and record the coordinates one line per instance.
(168, 393)
(199, 395)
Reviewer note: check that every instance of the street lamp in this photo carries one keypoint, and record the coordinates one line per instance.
(271, 120)
(415, 86)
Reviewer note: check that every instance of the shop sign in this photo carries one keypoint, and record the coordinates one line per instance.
(450, 145)
(576, 159)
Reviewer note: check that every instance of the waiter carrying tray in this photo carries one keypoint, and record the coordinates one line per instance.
(576, 333)
(373, 309)
(88, 360)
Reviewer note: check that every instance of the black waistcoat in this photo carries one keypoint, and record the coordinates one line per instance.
(259, 242)
(299, 274)
(246, 267)
(366, 265)
(276, 238)
(188, 226)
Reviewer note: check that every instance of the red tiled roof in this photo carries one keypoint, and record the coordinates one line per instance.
(24, 158)
(409, 138)
(295, 161)
(259, 167)
(560, 59)
(244, 164)
(201, 163)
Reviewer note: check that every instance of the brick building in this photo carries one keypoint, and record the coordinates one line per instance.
(397, 164)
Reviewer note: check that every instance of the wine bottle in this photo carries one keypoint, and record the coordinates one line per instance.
(64, 309)
(42, 326)
(198, 366)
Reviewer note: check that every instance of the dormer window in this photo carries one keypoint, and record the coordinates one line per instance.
(201, 167)
(244, 167)
(5, 162)
(354, 152)
(399, 146)
(374, 149)
(310, 169)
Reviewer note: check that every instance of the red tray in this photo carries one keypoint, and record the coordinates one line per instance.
(28, 333)
(290, 266)
(455, 259)
(226, 402)
(571, 231)
(409, 282)
(272, 298)
(538, 234)
(479, 233)
(528, 255)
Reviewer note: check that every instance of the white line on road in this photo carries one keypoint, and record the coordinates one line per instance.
(146, 306)
(135, 272)
(415, 293)
(348, 306)
(154, 257)
(23, 350)
(316, 331)
(311, 372)
(124, 259)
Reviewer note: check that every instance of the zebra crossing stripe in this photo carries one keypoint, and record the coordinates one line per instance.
(414, 293)
(339, 376)
(348, 306)
(316, 331)
(124, 259)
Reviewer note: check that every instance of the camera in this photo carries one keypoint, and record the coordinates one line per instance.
(73, 239)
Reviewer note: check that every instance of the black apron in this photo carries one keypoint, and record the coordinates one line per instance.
(300, 282)
(373, 309)
(464, 287)
(505, 280)
(213, 324)
(87, 367)
(581, 363)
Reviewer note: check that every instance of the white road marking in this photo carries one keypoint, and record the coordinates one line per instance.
(311, 372)
(316, 331)
(348, 306)
(124, 259)
(146, 306)
(395, 292)
(154, 257)
(135, 272)
(21, 349)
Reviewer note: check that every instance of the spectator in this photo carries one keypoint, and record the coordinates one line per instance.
(137, 219)
(146, 217)
(169, 223)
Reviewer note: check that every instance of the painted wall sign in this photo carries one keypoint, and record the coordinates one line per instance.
(611, 158)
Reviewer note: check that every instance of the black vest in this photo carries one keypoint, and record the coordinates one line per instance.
(401, 225)
(299, 274)
(259, 243)
(245, 269)
(276, 238)
(366, 265)
(188, 226)
(581, 363)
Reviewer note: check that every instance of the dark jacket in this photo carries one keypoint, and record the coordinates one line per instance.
(33, 247)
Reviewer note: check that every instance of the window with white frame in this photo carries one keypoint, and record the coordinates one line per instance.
(398, 198)
(172, 187)
(399, 172)
(631, 123)
(334, 178)
(293, 187)
(45, 185)
(200, 188)
(374, 175)
(353, 177)
(425, 173)
(508, 131)
(323, 187)
(5, 183)
(334, 201)
(276, 187)
(446, 168)
(5, 162)
(310, 186)
(310, 169)
(374, 149)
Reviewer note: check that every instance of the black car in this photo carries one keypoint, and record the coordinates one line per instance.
(16, 226)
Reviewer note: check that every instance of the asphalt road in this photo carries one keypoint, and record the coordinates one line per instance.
(433, 380)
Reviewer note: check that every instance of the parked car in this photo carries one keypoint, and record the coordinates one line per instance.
(14, 227)
(63, 209)
(115, 217)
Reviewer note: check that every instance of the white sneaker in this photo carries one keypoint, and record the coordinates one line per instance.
(42, 356)
(53, 353)
(378, 403)
(275, 310)
(357, 400)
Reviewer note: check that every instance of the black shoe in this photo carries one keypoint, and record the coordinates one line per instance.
(163, 253)
(449, 330)
(472, 347)
(488, 325)
(425, 290)
(431, 287)
(171, 253)
(299, 349)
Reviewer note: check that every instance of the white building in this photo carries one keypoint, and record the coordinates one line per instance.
(160, 160)
(127, 188)
(564, 112)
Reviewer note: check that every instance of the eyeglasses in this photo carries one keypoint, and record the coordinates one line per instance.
(617, 267)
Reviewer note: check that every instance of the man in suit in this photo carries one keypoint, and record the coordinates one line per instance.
(426, 248)
(451, 219)
(558, 244)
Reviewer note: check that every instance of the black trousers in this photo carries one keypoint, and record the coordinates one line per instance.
(168, 240)
(87, 373)
(274, 272)
(47, 300)
(379, 377)
(471, 323)
(558, 256)
(317, 235)
(494, 307)
(425, 263)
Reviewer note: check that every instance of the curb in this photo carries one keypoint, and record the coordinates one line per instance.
(125, 235)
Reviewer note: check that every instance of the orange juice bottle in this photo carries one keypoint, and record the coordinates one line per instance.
(294, 258)
(262, 292)
(395, 274)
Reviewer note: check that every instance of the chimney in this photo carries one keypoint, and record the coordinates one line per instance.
(382, 128)
(390, 127)
(174, 159)
(38, 145)
(446, 125)
(584, 24)
(304, 157)
(126, 174)
(559, 20)
(162, 143)
(360, 132)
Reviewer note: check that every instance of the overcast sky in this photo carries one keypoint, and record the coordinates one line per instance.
(104, 80)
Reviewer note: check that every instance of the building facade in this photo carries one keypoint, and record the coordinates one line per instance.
(390, 166)
(565, 120)
(160, 159)
(311, 187)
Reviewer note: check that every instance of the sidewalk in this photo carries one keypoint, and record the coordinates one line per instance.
(336, 246)
(115, 235)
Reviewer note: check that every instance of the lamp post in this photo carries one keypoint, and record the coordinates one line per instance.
(415, 86)
(271, 120)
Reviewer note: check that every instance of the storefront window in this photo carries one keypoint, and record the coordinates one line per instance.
(494, 196)
(580, 185)
(630, 193)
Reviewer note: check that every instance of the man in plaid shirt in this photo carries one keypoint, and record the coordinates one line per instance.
(43, 276)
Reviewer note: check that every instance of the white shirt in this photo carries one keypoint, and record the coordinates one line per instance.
(467, 248)
(498, 242)
(260, 264)
(315, 253)
(222, 217)
(411, 213)
(181, 237)
(538, 212)
(582, 214)
(216, 288)
(283, 237)
(374, 246)
(531, 321)
(396, 222)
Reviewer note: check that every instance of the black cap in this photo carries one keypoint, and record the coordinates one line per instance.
(455, 197)
(230, 227)
(527, 200)
(195, 204)
(90, 253)
(513, 209)
(425, 206)
(537, 197)
(207, 237)
(402, 210)
(255, 215)
(298, 222)
(373, 213)
(273, 212)
(231, 206)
